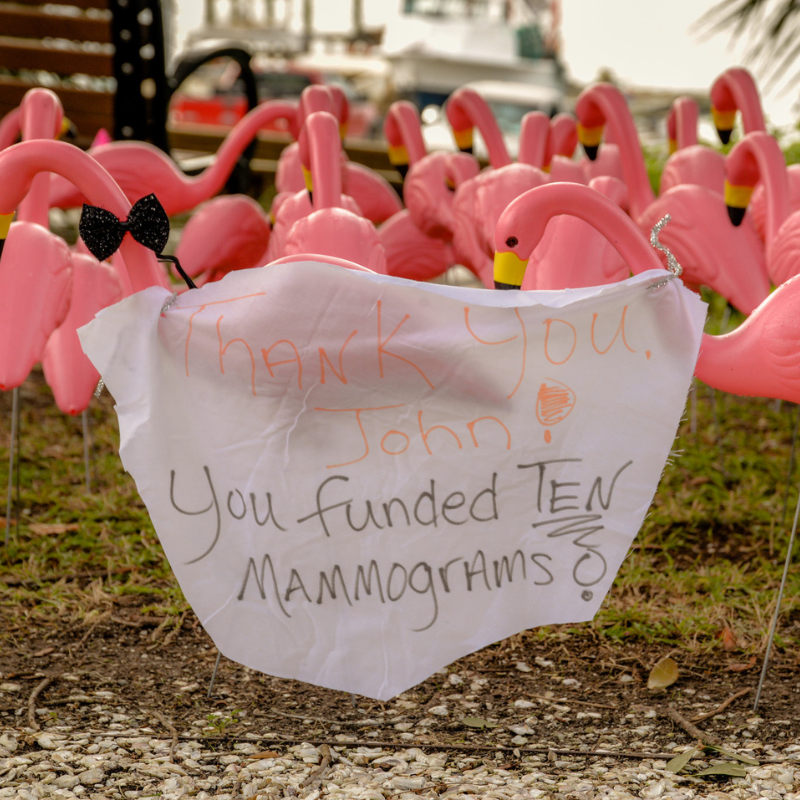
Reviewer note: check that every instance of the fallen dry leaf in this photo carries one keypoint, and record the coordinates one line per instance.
(265, 754)
(43, 652)
(738, 667)
(47, 529)
(728, 639)
(663, 674)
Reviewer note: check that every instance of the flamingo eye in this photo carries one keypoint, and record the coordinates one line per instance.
(512, 241)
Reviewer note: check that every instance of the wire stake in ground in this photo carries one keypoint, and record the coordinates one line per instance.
(777, 606)
(214, 675)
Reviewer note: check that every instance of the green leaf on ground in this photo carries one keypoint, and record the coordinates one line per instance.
(728, 754)
(725, 770)
(680, 761)
(478, 722)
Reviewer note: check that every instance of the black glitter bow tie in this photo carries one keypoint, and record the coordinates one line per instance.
(103, 232)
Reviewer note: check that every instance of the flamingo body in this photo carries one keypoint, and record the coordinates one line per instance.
(410, 253)
(31, 257)
(331, 229)
(691, 163)
(224, 234)
(711, 251)
(761, 358)
(67, 370)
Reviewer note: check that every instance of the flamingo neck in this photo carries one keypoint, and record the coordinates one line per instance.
(470, 105)
(321, 147)
(771, 169)
(533, 138)
(623, 131)
(745, 96)
(35, 207)
(19, 165)
(213, 178)
(685, 122)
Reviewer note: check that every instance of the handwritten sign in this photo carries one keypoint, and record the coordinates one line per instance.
(358, 479)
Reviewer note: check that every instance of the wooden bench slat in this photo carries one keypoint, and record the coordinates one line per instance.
(83, 4)
(34, 23)
(34, 55)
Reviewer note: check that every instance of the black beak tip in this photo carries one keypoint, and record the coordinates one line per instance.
(724, 135)
(736, 215)
(504, 286)
(591, 151)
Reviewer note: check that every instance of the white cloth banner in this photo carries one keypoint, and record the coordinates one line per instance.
(358, 479)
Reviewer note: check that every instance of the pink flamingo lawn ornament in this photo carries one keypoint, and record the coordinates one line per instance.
(735, 90)
(523, 223)
(480, 200)
(67, 370)
(288, 208)
(223, 234)
(92, 285)
(330, 230)
(758, 157)
(374, 195)
(28, 251)
(691, 162)
(572, 253)
(417, 239)
(700, 234)
(141, 169)
(35, 257)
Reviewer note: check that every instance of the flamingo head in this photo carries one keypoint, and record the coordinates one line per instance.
(5, 226)
(591, 121)
(723, 106)
(402, 131)
(672, 130)
(563, 137)
(742, 175)
(341, 108)
(460, 109)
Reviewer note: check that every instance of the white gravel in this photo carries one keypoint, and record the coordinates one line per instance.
(126, 762)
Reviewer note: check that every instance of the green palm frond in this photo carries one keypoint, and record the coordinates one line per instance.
(770, 29)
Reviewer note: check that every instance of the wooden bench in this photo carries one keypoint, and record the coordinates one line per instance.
(105, 60)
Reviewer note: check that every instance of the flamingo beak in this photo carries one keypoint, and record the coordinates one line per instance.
(309, 184)
(68, 130)
(5, 225)
(723, 122)
(590, 138)
(509, 270)
(736, 200)
(464, 140)
(673, 146)
(398, 157)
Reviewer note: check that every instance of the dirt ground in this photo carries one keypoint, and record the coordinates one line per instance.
(562, 693)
